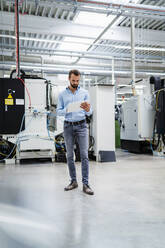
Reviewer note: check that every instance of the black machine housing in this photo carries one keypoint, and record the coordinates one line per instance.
(12, 106)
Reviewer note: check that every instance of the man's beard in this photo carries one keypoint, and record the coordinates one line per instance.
(74, 86)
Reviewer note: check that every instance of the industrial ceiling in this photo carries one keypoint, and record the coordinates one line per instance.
(56, 36)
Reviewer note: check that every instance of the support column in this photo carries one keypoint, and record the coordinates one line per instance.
(113, 71)
(83, 81)
(113, 79)
(95, 79)
(133, 53)
(42, 63)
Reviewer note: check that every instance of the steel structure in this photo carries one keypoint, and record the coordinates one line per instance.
(46, 25)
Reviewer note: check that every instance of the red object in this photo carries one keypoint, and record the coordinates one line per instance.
(26, 91)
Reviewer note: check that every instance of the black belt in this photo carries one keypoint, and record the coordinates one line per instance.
(75, 122)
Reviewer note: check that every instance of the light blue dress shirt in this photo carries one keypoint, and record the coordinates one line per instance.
(66, 97)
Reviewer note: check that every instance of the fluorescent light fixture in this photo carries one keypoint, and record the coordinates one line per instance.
(121, 93)
(124, 85)
(138, 48)
(75, 44)
(93, 18)
(155, 73)
(125, 98)
(102, 20)
(67, 40)
(140, 86)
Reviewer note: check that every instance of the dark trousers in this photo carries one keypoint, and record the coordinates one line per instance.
(80, 133)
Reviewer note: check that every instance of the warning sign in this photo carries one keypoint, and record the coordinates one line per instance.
(9, 101)
(10, 96)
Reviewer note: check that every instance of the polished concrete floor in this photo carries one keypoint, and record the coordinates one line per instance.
(127, 210)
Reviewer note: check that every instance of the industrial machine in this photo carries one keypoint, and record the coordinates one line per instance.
(12, 111)
(24, 112)
(102, 98)
(159, 121)
(142, 120)
(29, 127)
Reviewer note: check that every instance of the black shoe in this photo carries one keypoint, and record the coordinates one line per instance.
(71, 186)
(87, 189)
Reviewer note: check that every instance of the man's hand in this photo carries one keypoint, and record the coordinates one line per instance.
(85, 106)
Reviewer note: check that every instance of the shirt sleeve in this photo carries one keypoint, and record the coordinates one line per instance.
(61, 110)
(87, 98)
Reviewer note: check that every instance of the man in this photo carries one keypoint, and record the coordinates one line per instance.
(75, 128)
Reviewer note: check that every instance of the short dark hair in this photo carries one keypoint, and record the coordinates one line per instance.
(75, 72)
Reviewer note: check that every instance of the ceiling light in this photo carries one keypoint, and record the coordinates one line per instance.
(124, 85)
(139, 48)
(140, 86)
(155, 73)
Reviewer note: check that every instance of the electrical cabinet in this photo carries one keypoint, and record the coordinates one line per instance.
(137, 123)
(12, 106)
(137, 117)
(103, 124)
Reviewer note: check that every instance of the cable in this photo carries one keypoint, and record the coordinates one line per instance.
(5, 147)
(19, 139)
(163, 89)
(16, 140)
(26, 91)
(157, 97)
(48, 126)
(91, 142)
(163, 138)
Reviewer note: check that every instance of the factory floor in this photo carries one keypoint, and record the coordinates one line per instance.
(127, 210)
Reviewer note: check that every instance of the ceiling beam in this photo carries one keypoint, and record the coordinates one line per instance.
(107, 7)
(90, 55)
(44, 25)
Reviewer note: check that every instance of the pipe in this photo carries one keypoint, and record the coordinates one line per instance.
(89, 55)
(141, 10)
(17, 38)
(63, 70)
(133, 53)
(105, 66)
(108, 5)
(129, 6)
